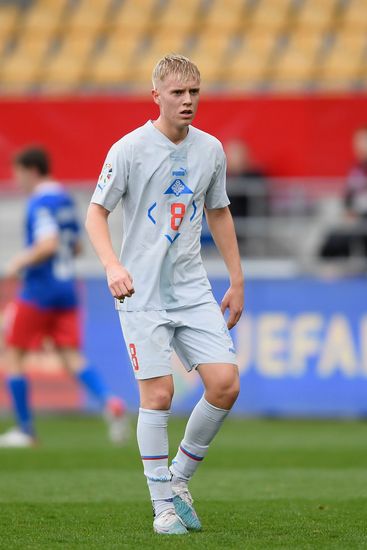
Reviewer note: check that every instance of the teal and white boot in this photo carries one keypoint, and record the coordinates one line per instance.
(168, 523)
(183, 502)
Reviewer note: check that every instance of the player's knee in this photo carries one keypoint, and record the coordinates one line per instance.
(234, 389)
(229, 389)
(226, 389)
(159, 399)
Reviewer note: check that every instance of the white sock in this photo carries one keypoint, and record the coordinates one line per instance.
(153, 445)
(203, 425)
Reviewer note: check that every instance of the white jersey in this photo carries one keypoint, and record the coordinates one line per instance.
(163, 188)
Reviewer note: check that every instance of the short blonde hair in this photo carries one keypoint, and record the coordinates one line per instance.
(177, 65)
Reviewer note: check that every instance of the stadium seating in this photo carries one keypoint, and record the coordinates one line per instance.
(248, 63)
(296, 61)
(259, 44)
(8, 21)
(344, 62)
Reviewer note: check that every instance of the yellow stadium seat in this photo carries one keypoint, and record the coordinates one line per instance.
(143, 67)
(19, 69)
(270, 15)
(211, 68)
(212, 43)
(9, 16)
(123, 43)
(352, 41)
(307, 41)
(339, 73)
(135, 15)
(47, 4)
(113, 64)
(316, 14)
(345, 61)
(179, 15)
(295, 64)
(249, 65)
(89, 16)
(246, 69)
(80, 39)
(110, 69)
(32, 47)
(225, 16)
(43, 17)
(355, 14)
(64, 71)
(76, 45)
(169, 42)
(259, 42)
(17, 74)
(67, 66)
(245, 77)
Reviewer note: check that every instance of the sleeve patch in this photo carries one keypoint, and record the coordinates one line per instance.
(105, 176)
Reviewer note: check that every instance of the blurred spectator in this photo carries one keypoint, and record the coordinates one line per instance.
(351, 239)
(246, 181)
(356, 189)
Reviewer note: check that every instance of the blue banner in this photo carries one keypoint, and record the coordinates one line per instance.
(302, 348)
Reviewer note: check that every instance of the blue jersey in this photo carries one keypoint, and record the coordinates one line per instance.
(51, 212)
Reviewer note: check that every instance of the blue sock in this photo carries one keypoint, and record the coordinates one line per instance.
(19, 390)
(91, 379)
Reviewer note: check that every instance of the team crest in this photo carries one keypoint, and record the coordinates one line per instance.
(178, 187)
(105, 176)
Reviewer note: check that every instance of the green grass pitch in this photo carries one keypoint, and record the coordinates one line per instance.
(264, 484)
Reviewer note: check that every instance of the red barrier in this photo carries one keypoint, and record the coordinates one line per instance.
(289, 136)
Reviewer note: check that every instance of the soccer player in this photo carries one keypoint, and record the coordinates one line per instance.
(165, 173)
(47, 306)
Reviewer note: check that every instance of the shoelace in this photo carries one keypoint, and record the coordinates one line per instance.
(182, 491)
(167, 516)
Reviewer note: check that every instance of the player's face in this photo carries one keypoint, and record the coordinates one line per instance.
(26, 178)
(178, 100)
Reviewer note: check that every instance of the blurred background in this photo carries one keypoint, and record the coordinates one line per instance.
(284, 89)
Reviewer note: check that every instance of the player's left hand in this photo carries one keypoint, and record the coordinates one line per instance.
(233, 300)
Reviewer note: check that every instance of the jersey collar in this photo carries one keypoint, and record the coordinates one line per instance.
(47, 186)
(166, 140)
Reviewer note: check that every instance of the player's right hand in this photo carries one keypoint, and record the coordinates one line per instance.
(13, 268)
(119, 281)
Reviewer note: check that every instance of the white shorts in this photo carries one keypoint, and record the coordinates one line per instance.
(198, 334)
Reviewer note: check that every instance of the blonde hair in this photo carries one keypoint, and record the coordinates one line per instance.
(177, 65)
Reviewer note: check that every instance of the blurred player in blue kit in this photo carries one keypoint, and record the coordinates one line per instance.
(47, 304)
(165, 173)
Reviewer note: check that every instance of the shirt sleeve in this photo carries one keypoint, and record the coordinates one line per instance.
(44, 224)
(112, 182)
(216, 195)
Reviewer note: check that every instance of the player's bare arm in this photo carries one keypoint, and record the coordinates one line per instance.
(221, 226)
(119, 279)
(33, 255)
